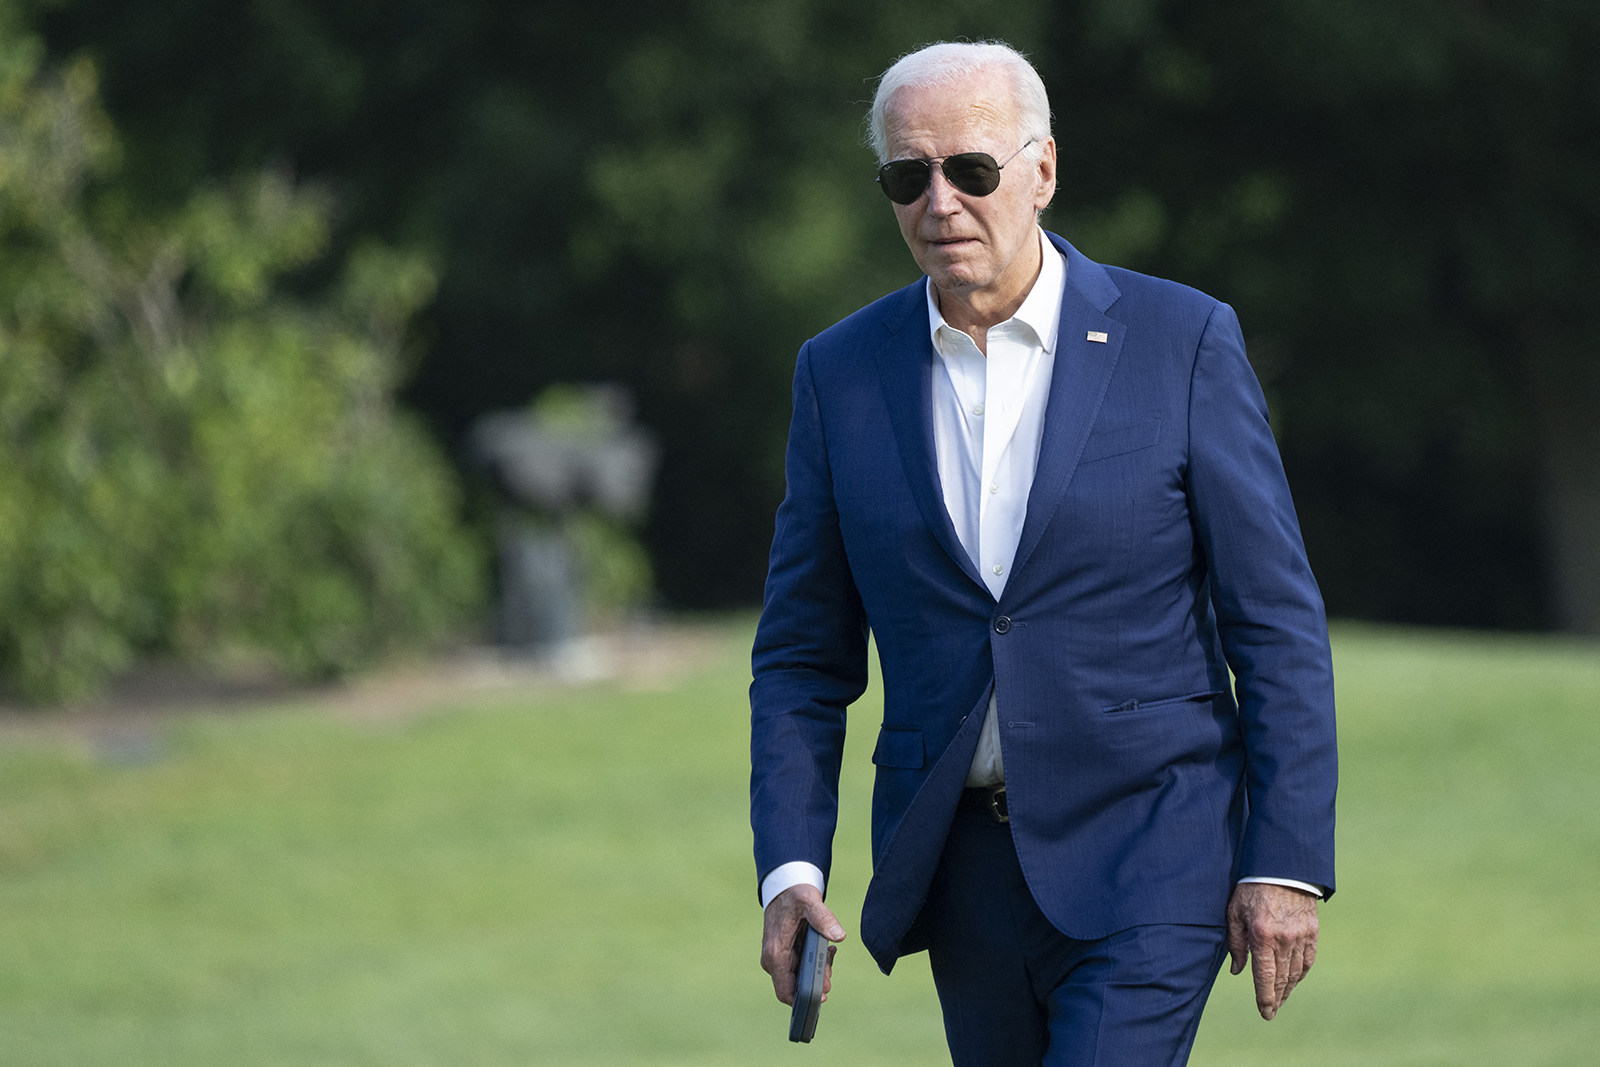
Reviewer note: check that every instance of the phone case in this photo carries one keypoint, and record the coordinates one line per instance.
(808, 986)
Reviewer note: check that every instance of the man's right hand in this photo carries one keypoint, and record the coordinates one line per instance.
(782, 925)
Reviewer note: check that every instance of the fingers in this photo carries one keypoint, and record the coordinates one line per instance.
(785, 920)
(1286, 969)
(1276, 970)
(778, 961)
(1276, 927)
(1264, 969)
(1238, 942)
(778, 957)
(826, 923)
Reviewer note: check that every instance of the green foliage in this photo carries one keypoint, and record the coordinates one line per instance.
(195, 462)
(615, 569)
(668, 196)
(614, 575)
(1400, 199)
(729, 194)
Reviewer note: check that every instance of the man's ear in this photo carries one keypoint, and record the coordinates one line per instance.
(1046, 172)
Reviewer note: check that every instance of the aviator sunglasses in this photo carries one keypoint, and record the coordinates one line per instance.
(973, 173)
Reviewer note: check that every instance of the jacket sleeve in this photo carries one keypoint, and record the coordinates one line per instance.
(810, 657)
(1269, 614)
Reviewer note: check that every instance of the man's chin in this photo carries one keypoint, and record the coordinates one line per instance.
(954, 279)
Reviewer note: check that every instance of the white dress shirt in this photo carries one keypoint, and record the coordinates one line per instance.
(988, 421)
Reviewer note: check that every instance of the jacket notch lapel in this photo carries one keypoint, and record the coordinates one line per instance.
(1087, 348)
(905, 371)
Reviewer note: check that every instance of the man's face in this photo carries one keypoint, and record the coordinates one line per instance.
(981, 249)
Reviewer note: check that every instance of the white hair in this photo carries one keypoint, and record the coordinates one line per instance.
(947, 62)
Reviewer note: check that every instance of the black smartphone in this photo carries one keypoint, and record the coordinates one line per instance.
(809, 980)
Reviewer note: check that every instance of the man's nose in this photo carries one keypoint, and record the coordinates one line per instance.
(943, 198)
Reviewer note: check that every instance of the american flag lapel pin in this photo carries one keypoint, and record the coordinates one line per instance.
(1098, 337)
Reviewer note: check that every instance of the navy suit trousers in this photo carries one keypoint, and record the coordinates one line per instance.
(1016, 992)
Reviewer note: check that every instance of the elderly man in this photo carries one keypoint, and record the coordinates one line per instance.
(1048, 489)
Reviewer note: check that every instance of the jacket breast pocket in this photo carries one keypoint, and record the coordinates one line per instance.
(899, 746)
(1121, 440)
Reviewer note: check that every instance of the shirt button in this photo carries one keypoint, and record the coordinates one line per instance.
(1002, 624)
(977, 409)
(998, 569)
(994, 487)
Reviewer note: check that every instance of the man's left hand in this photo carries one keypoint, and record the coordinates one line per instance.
(1276, 927)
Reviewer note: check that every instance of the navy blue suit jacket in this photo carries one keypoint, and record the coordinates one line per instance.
(1160, 648)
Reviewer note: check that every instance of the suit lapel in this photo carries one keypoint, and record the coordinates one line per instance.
(1078, 384)
(905, 370)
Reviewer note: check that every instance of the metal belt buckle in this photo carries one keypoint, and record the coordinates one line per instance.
(997, 804)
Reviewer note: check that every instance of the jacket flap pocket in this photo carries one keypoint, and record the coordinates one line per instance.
(899, 746)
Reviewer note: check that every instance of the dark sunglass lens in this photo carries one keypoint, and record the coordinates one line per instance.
(974, 173)
(904, 179)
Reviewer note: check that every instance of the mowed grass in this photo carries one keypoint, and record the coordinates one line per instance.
(562, 876)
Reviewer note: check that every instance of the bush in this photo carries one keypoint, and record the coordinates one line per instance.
(196, 463)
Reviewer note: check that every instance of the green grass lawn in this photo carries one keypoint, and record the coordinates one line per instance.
(562, 876)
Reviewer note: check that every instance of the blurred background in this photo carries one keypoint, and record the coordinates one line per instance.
(263, 267)
(340, 339)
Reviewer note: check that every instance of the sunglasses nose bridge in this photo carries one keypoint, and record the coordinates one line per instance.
(941, 190)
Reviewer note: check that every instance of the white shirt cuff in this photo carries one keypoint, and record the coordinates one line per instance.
(1315, 890)
(787, 876)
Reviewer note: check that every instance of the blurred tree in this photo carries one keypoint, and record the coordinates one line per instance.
(672, 196)
(1400, 197)
(1405, 201)
(732, 202)
(194, 463)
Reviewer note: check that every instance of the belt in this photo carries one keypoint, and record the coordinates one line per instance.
(987, 799)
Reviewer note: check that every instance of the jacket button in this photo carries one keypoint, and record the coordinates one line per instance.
(1002, 624)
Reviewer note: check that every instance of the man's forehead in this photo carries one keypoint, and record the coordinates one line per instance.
(967, 108)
